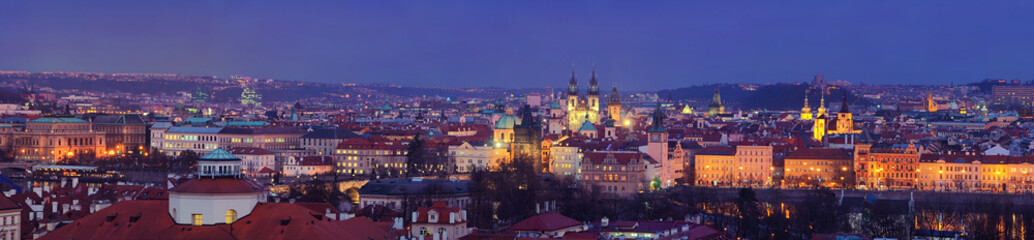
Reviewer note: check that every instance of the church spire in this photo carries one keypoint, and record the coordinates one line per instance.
(614, 97)
(658, 119)
(594, 88)
(806, 105)
(717, 98)
(843, 107)
(573, 85)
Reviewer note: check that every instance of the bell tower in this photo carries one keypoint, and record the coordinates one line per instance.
(594, 94)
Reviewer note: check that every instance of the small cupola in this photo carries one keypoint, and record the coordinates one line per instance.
(218, 163)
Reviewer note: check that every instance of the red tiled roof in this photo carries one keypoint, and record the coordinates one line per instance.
(137, 219)
(7, 203)
(217, 185)
(545, 222)
(442, 210)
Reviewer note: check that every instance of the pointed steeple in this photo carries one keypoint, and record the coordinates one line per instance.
(573, 85)
(717, 98)
(594, 88)
(843, 107)
(806, 105)
(658, 120)
(614, 97)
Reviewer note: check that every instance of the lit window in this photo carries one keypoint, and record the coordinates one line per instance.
(197, 219)
(231, 216)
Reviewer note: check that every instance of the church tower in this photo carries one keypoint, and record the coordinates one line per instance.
(806, 110)
(818, 129)
(572, 93)
(657, 145)
(716, 106)
(614, 106)
(594, 94)
(527, 142)
(931, 105)
(845, 123)
(822, 104)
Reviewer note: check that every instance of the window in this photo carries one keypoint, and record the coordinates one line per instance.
(231, 216)
(197, 219)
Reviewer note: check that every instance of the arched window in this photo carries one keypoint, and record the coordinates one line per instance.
(231, 216)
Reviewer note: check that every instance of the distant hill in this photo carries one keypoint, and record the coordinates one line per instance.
(783, 96)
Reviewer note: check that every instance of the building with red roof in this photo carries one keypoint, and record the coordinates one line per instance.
(217, 196)
(439, 222)
(10, 218)
(546, 225)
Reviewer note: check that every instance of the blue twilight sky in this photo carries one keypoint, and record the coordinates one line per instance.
(641, 45)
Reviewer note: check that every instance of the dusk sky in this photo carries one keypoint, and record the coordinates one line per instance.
(637, 45)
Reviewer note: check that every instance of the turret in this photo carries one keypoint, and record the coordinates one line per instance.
(572, 93)
(594, 94)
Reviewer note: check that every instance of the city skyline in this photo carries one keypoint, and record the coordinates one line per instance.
(526, 45)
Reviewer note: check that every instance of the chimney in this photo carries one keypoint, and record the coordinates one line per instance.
(604, 222)
(538, 208)
(75, 182)
(415, 216)
(38, 191)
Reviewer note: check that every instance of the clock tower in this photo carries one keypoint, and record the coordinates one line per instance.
(657, 145)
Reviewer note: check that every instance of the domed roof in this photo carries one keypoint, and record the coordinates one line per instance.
(587, 126)
(554, 105)
(506, 122)
(219, 155)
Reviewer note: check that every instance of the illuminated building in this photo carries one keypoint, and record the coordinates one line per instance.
(931, 105)
(614, 106)
(251, 98)
(371, 155)
(217, 196)
(657, 147)
(829, 167)
(439, 222)
(716, 166)
(308, 166)
(467, 157)
(806, 110)
(323, 141)
(56, 139)
(200, 140)
(125, 133)
(556, 121)
(502, 132)
(617, 173)
(527, 141)
(818, 128)
(580, 110)
(887, 166)
(754, 164)
(256, 161)
(265, 137)
(716, 106)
